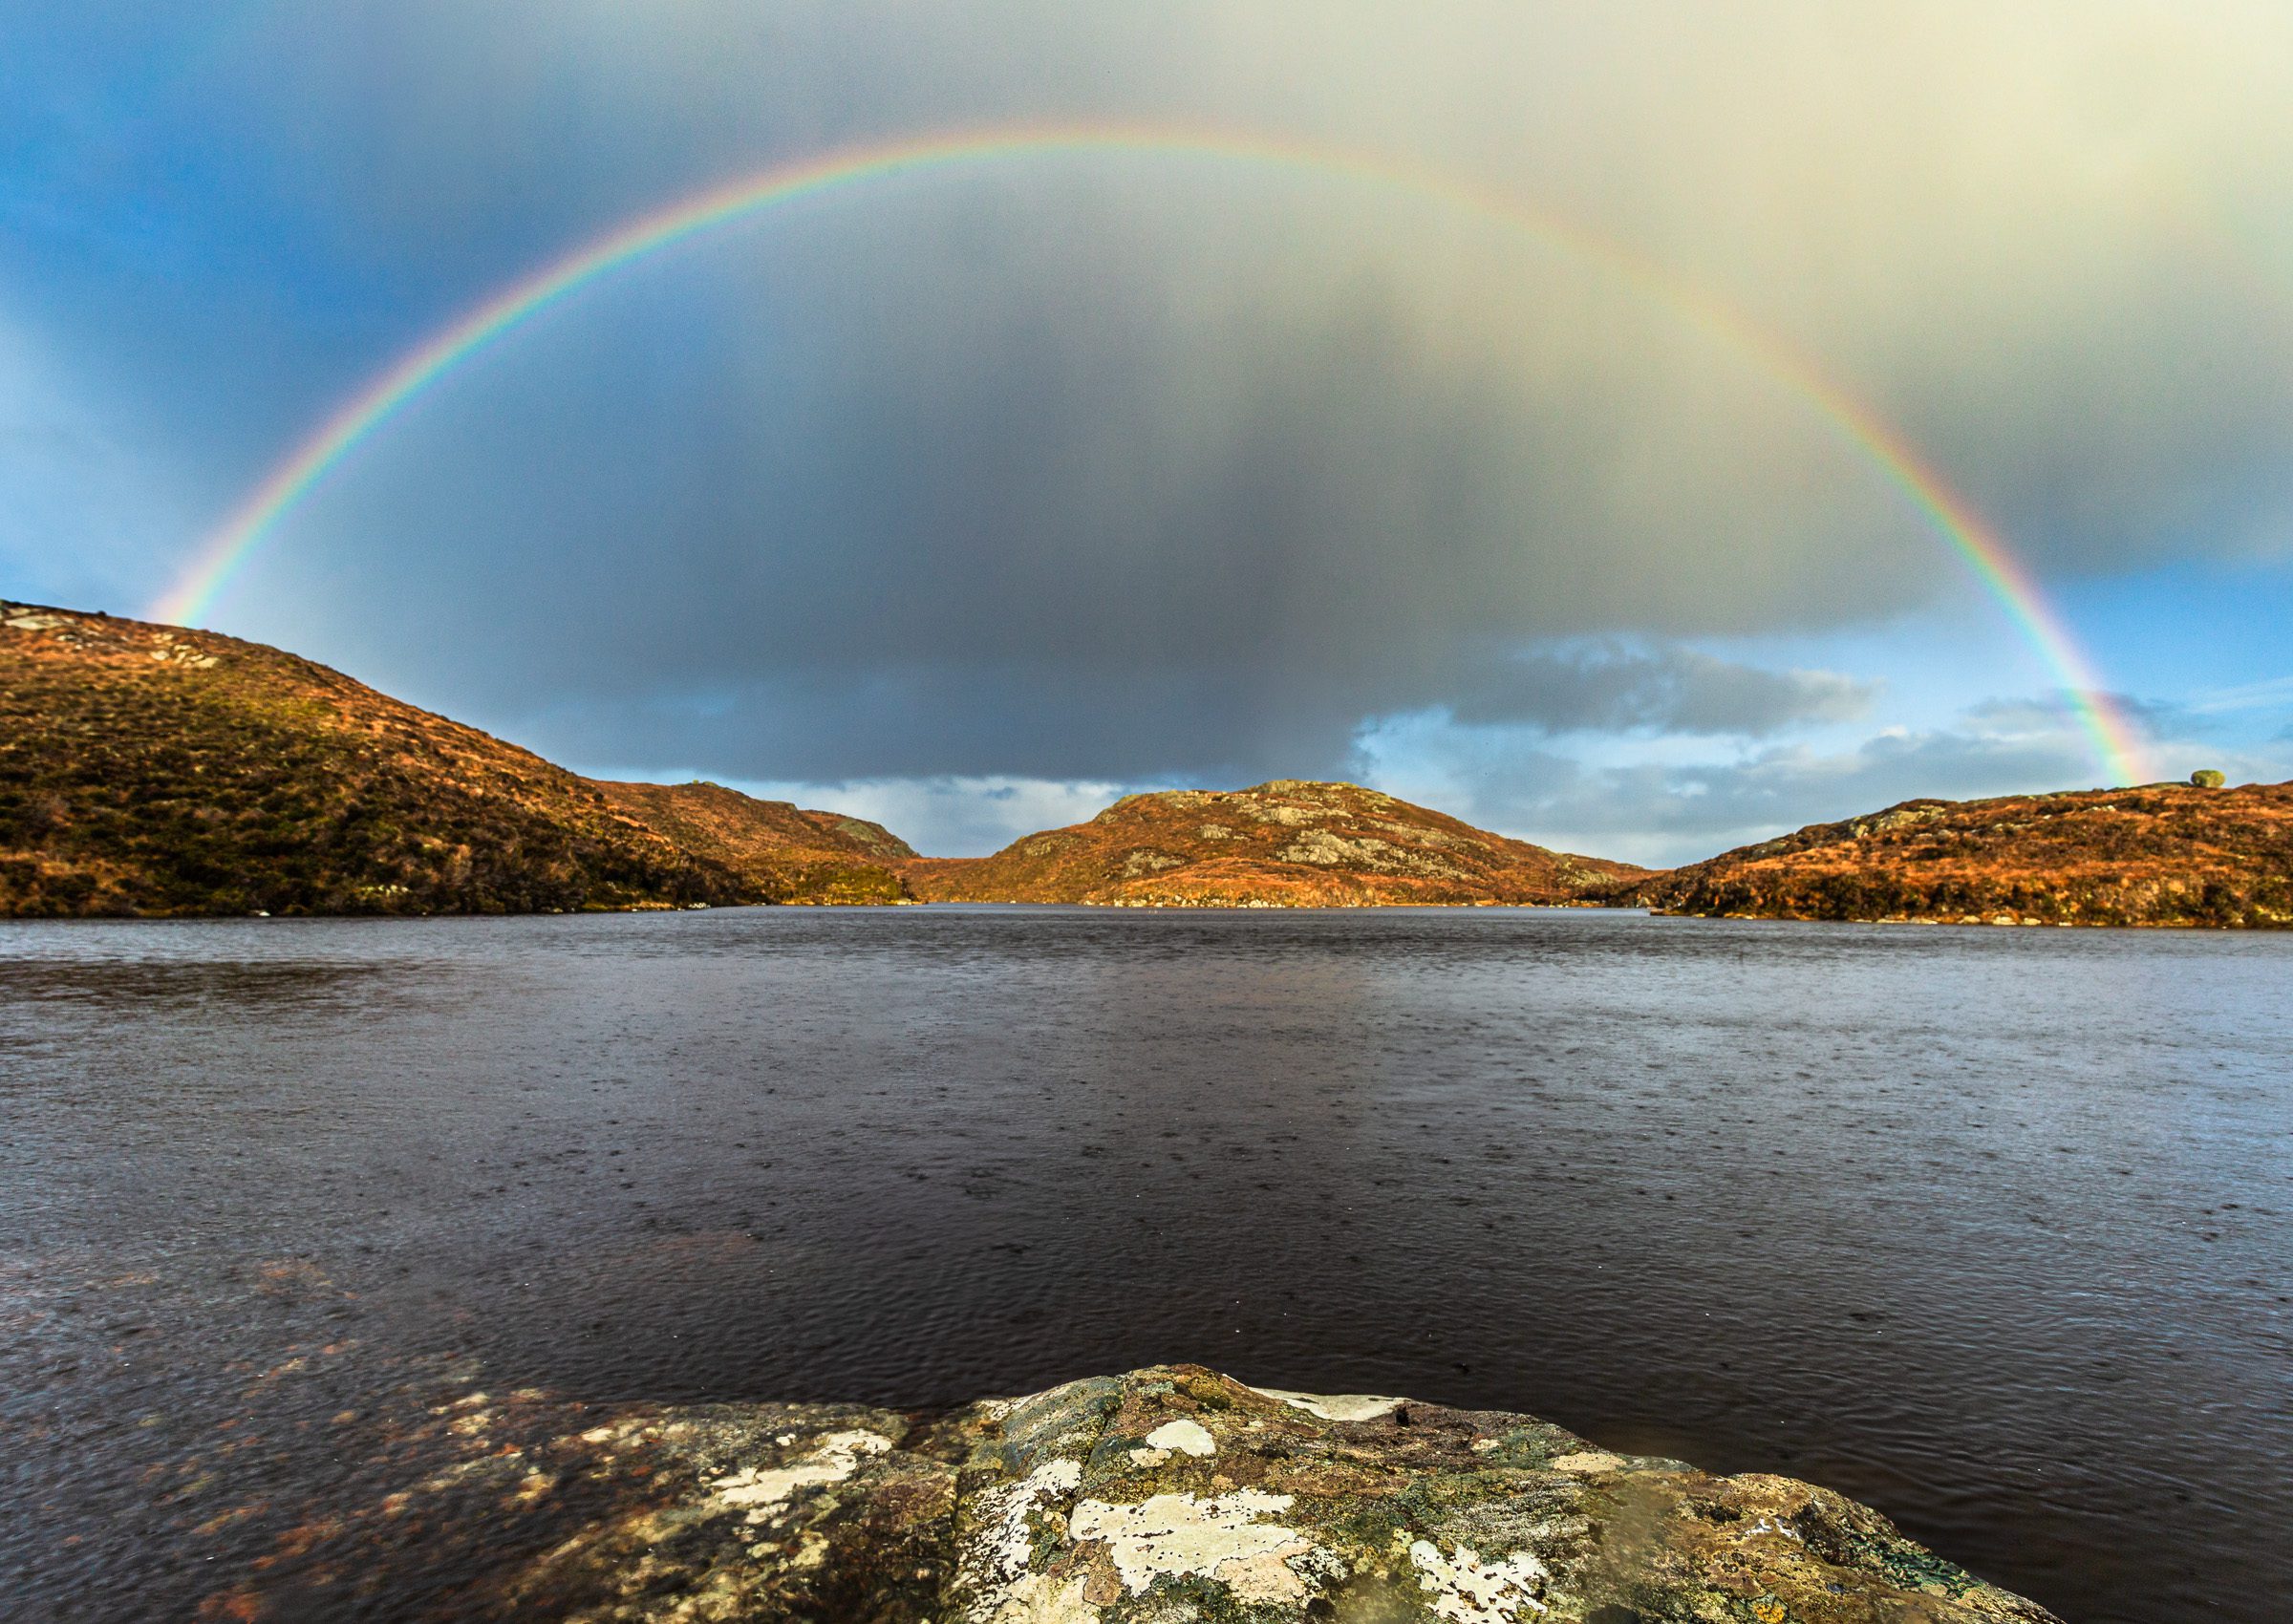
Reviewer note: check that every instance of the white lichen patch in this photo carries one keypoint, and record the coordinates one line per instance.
(1220, 1538)
(1467, 1591)
(1036, 1599)
(833, 1458)
(1337, 1406)
(1188, 1438)
(1006, 1547)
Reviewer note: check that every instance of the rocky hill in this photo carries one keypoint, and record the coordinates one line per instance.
(2161, 854)
(1166, 1494)
(150, 770)
(1286, 844)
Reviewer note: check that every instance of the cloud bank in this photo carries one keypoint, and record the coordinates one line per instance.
(1142, 468)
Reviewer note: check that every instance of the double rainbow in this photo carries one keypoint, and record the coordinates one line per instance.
(2115, 742)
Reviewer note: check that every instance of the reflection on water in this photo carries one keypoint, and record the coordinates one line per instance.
(1988, 1228)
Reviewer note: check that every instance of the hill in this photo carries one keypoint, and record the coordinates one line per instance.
(2161, 854)
(1285, 843)
(150, 770)
(784, 848)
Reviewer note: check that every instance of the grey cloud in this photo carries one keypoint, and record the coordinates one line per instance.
(1668, 812)
(1074, 537)
(2023, 232)
(1041, 721)
(2154, 718)
(1121, 469)
(1137, 466)
(1670, 690)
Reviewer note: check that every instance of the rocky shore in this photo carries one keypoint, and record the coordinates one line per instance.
(1171, 1493)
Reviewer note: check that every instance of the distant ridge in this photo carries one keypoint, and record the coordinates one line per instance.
(1290, 843)
(149, 770)
(2160, 854)
(146, 769)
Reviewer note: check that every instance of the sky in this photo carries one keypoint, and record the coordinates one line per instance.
(970, 499)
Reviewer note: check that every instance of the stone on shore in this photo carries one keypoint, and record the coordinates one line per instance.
(1174, 1493)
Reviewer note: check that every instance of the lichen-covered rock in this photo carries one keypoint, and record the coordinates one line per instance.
(765, 1511)
(1174, 1493)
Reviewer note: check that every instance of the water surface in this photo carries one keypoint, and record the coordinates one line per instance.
(1987, 1228)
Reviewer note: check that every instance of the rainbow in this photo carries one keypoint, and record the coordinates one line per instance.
(2115, 742)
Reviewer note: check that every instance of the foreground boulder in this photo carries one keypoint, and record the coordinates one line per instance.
(1168, 1494)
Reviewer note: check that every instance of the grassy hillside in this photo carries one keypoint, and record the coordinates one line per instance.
(1284, 844)
(783, 848)
(150, 770)
(2163, 854)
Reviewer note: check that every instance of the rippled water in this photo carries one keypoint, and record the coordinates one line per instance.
(1987, 1228)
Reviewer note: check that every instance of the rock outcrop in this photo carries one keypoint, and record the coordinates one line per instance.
(2160, 854)
(1167, 1494)
(1290, 843)
(147, 769)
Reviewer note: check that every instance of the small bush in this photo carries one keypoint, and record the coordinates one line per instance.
(2208, 777)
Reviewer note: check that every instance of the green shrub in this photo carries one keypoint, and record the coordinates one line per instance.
(2208, 777)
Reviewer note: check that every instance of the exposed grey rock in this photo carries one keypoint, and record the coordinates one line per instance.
(1174, 1493)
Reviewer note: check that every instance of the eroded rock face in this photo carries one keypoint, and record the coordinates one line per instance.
(1175, 1494)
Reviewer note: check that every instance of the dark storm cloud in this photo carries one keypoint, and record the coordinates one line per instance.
(1673, 690)
(1084, 534)
(1131, 468)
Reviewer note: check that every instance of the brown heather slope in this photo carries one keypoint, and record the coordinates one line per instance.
(819, 856)
(148, 770)
(2162, 854)
(1285, 843)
